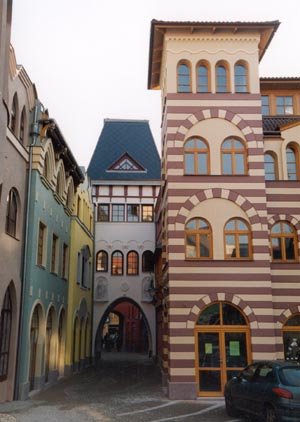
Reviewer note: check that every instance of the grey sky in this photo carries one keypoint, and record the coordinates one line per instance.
(89, 60)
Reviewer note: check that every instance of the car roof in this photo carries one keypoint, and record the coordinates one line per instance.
(278, 363)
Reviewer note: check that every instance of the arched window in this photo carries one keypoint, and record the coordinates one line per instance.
(283, 242)
(237, 238)
(102, 261)
(240, 78)
(292, 163)
(5, 332)
(14, 114)
(147, 262)
(59, 183)
(203, 77)
(12, 213)
(291, 338)
(270, 166)
(22, 125)
(222, 78)
(132, 263)
(117, 262)
(198, 239)
(183, 77)
(233, 157)
(196, 156)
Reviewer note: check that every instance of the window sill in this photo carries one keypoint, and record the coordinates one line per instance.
(12, 236)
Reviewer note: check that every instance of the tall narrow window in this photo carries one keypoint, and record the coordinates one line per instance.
(102, 261)
(233, 157)
(292, 163)
(22, 125)
(265, 105)
(117, 263)
(202, 77)
(41, 249)
(183, 78)
(65, 261)
(270, 166)
(5, 333)
(284, 242)
(237, 239)
(222, 79)
(12, 213)
(147, 213)
(118, 213)
(54, 254)
(132, 263)
(14, 114)
(103, 212)
(284, 105)
(198, 239)
(240, 78)
(196, 156)
(147, 262)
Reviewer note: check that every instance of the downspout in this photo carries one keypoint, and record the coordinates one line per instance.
(34, 134)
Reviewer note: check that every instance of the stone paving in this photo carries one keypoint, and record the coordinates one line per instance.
(121, 387)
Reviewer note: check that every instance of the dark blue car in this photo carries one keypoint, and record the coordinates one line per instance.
(267, 391)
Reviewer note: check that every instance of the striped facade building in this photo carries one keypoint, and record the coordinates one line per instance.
(228, 212)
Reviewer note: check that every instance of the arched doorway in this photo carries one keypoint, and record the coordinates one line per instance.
(222, 341)
(5, 334)
(291, 338)
(124, 328)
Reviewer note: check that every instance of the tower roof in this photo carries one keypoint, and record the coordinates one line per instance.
(125, 151)
(159, 28)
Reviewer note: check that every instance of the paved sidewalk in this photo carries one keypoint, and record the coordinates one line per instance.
(122, 387)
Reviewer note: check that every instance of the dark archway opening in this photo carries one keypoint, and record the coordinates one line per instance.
(123, 328)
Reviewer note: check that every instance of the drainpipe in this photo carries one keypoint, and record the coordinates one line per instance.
(34, 134)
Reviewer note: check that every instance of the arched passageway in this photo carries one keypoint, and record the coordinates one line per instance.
(123, 328)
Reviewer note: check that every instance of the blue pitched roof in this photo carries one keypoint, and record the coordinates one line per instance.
(120, 137)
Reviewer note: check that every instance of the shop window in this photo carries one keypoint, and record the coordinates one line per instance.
(291, 338)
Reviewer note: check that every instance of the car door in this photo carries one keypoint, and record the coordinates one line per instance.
(258, 388)
(240, 388)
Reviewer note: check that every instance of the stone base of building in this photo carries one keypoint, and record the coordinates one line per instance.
(52, 376)
(23, 392)
(182, 390)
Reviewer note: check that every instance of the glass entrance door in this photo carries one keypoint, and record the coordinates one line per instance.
(222, 347)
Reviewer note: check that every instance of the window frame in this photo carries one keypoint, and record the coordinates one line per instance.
(179, 85)
(282, 236)
(101, 214)
(233, 152)
(198, 232)
(147, 262)
(112, 263)
(115, 216)
(274, 165)
(196, 152)
(137, 215)
(105, 267)
(145, 218)
(265, 107)
(41, 245)
(207, 85)
(5, 334)
(226, 77)
(135, 263)
(284, 106)
(295, 150)
(245, 85)
(54, 254)
(65, 261)
(12, 207)
(236, 232)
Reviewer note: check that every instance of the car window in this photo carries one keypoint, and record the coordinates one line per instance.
(265, 373)
(248, 372)
(290, 376)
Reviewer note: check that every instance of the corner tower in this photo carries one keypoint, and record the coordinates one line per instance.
(212, 215)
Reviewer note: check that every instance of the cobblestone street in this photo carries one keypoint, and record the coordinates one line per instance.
(123, 388)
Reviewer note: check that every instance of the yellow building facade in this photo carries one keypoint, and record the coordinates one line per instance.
(78, 344)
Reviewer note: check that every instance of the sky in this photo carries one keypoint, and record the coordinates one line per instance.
(89, 59)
